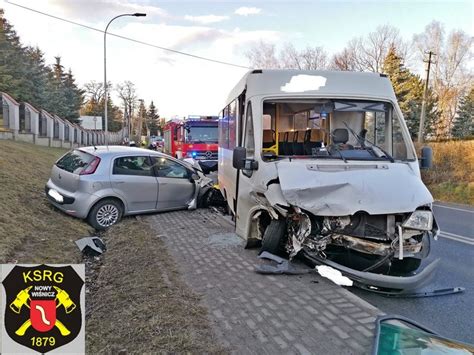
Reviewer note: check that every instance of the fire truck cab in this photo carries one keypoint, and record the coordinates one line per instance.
(194, 137)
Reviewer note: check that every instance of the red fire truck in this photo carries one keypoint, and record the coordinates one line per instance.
(195, 137)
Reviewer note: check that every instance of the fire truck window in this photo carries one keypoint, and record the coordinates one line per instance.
(169, 169)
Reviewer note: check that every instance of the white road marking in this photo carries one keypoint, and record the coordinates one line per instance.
(465, 241)
(458, 236)
(43, 316)
(454, 208)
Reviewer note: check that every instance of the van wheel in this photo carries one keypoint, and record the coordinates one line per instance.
(274, 238)
(105, 213)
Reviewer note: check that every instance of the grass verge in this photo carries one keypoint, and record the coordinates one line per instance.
(451, 179)
(135, 297)
(140, 303)
(31, 230)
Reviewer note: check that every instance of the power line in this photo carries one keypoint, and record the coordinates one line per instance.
(128, 38)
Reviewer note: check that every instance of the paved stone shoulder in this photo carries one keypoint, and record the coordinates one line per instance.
(260, 314)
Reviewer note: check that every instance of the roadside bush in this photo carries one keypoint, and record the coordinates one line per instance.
(452, 177)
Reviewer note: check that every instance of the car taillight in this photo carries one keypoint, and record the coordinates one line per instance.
(91, 168)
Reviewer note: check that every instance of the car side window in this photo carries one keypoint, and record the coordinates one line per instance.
(134, 165)
(170, 169)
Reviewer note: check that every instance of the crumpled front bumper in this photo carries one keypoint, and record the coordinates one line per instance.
(378, 282)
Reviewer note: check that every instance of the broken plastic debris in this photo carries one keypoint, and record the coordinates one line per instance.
(333, 275)
(91, 246)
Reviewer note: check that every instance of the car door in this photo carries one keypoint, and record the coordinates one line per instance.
(133, 178)
(175, 188)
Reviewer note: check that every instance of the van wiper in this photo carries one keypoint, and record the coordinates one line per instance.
(363, 140)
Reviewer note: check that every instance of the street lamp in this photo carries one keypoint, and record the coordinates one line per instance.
(137, 14)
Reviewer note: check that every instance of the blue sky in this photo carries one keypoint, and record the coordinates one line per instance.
(218, 29)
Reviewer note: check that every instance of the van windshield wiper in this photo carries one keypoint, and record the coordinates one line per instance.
(362, 142)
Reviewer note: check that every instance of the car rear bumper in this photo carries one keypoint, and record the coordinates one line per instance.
(77, 204)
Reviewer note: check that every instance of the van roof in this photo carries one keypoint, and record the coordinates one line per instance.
(319, 83)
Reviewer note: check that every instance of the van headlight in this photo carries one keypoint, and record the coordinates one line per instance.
(422, 220)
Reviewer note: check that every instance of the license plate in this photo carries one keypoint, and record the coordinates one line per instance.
(55, 195)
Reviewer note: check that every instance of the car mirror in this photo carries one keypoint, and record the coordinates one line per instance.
(194, 177)
(426, 160)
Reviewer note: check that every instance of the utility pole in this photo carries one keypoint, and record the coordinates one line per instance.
(425, 97)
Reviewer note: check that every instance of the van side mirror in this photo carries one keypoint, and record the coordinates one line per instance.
(240, 161)
(426, 160)
(238, 157)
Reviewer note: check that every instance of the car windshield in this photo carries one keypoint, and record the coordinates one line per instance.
(201, 134)
(333, 129)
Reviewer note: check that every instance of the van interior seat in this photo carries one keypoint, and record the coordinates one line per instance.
(268, 138)
(298, 142)
(340, 136)
(282, 142)
(312, 141)
(289, 143)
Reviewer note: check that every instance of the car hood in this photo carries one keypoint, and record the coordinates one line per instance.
(329, 189)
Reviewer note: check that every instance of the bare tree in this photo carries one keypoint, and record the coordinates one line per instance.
(368, 54)
(345, 60)
(263, 56)
(314, 58)
(452, 75)
(127, 93)
(94, 91)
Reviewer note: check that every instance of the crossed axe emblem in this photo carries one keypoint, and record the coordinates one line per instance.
(22, 299)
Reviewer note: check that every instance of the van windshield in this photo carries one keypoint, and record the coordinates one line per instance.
(333, 129)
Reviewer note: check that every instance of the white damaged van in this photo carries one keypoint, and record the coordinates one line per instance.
(321, 164)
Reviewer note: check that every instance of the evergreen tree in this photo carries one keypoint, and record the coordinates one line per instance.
(464, 123)
(152, 117)
(73, 97)
(408, 89)
(11, 51)
(24, 75)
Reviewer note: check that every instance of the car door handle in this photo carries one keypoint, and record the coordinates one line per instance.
(119, 182)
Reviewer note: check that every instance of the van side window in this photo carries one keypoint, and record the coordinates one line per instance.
(132, 166)
(224, 128)
(249, 140)
(232, 124)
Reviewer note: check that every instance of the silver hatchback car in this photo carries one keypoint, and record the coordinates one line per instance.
(102, 184)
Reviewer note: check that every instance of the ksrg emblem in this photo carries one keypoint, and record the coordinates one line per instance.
(43, 306)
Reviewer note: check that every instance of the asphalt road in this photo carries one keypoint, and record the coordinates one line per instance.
(451, 315)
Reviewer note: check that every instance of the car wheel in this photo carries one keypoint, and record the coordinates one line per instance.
(274, 238)
(105, 213)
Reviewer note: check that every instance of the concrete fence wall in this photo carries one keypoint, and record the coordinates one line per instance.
(25, 123)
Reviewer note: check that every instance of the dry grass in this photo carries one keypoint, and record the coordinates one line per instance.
(140, 303)
(452, 177)
(136, 299)
(31, 230)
